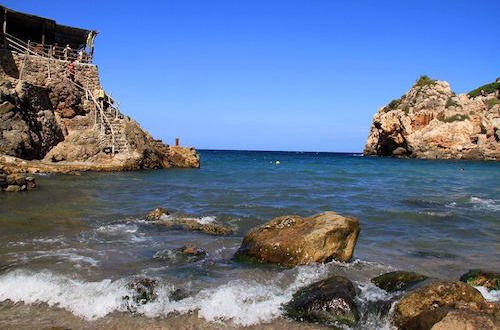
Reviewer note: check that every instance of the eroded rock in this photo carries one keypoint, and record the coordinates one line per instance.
(293, 240)
(397, 281)
(421, 308)
(330, 301)
(430, 121)
(163, 217)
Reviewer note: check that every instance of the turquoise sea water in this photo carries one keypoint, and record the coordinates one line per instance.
(77, 240)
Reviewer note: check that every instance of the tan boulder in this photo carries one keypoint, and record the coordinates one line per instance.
(293, 240)
(466, 320)
(425, 306)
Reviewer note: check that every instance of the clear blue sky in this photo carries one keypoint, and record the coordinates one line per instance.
(277, 75)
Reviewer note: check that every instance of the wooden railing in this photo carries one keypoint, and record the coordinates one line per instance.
(49, 51)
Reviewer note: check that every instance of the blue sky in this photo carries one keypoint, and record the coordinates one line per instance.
(277, 75)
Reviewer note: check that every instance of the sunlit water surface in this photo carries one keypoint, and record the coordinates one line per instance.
(69, 248)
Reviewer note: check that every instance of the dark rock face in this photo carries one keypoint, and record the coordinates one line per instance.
(28, 126)
(477, 277)
(293, 240)
(330, 301)
(398, 280)
(143, 292)
(421, 308)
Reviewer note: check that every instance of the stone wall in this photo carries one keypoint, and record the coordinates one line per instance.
(36, 70)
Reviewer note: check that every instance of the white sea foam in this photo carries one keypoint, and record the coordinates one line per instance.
(201, 220)
(117, 229)
(90, 300)
(71, 255)
(243, 302)
(493, 295)
(491, 204)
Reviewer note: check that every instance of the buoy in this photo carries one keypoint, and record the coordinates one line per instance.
(277, 162)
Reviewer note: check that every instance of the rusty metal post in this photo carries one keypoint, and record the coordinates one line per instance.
(176, 142)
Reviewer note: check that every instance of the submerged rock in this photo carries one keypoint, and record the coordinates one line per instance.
(425, 306)
(397, 281)
(292, 240)
(157, 214)
(143, 293)
(188, 253)
(330, 301)
(162, 216)
(16, 182)
(477, 277)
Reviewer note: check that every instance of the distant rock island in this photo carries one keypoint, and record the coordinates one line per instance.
(54, 113)
(430, 121)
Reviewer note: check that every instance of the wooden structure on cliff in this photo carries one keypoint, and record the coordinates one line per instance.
(45, 37)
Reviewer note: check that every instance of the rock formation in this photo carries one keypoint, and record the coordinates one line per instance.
(180, 222)
(424, 307)
(49, 124)
(16, 182)
(398, 280)
(292, 240)
(430, 121)
(330, 301)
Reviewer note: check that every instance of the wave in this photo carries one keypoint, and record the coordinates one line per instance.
(243, 302)
(493, 295)
(485, 203)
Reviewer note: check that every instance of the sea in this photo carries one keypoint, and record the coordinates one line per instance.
(70, 248)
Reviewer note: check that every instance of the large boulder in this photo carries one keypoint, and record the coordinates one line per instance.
(477, 277)
(293, 240)
(460, 320)
(330, 301)
(425, 306)
(397, 281)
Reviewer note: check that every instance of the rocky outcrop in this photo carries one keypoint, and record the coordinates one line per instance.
(51, 123)
(422, 308)
(16, 182)
(398, 280)
(430, 121)
(330, 301)
(181, 222)
(292, 240)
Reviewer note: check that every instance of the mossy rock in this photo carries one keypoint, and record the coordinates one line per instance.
(477, 277)
(398, 280)
(330, 302)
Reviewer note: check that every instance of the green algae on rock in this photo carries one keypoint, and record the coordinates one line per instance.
(398, 280)
(478, 277)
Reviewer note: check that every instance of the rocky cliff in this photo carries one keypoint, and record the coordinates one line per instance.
(430, 121)
(47, 123)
